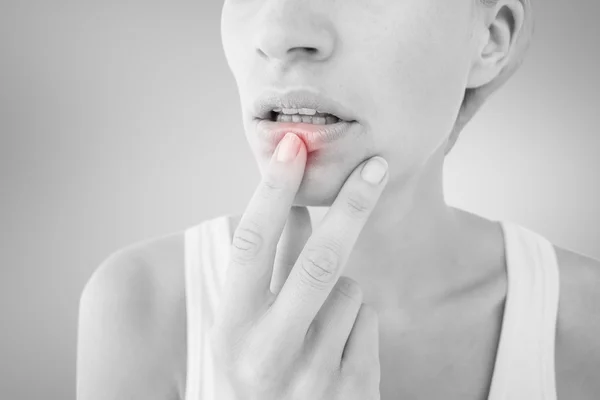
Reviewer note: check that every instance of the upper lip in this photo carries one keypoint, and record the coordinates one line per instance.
(299, 99)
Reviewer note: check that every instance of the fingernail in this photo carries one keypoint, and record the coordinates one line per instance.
(374, 171)
(288, 148)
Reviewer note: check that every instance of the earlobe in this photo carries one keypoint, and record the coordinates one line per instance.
(489, 60)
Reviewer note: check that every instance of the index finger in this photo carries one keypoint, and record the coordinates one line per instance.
(255, 239)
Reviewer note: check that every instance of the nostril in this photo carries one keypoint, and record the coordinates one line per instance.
(309, 50)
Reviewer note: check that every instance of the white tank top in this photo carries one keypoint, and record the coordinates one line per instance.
(524, 366)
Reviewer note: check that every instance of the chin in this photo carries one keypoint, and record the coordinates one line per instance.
(320, 192)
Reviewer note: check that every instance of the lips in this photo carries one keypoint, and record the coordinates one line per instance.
(314, 136)
(297, 99)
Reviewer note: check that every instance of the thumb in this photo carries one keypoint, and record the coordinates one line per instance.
(296, 232)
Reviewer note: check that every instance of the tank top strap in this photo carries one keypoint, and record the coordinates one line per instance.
(206, 260)
(524, 367)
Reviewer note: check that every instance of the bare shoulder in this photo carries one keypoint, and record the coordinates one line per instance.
(153, 269)
(578, 325)
(162, 260)
(135, 301)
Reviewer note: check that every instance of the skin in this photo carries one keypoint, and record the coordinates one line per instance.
(436, 275)
(416, 256)
(414, 244)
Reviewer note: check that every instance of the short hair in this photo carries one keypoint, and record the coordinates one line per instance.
(475, 97)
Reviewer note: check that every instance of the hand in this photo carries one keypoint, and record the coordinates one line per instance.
(312, 337)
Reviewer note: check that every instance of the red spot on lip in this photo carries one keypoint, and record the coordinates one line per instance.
(315, 137)
(303, 141)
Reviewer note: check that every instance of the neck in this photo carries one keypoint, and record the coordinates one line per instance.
(409, 251)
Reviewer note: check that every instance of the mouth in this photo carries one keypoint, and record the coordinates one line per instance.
(316, 132)
(315, 119)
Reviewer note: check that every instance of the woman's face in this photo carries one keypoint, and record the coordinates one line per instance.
(400, 67)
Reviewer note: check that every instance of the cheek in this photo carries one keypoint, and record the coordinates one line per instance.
(234, 41)
(416, 87)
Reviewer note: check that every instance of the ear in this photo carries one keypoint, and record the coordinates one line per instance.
(503, 37)
(495, 34)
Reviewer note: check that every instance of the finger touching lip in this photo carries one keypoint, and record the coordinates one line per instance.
(314, 136)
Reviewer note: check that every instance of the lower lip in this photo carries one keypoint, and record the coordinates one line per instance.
(314, 136)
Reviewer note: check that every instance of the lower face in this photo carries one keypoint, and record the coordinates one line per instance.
(328, 163)
(412, 58)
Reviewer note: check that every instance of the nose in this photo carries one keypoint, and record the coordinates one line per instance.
(291, 30)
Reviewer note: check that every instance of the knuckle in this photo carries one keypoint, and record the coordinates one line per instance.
(249, 372)
(271, 188)
(258, 372)
(232, 356)
(358, 204)
(319, 265)
(247, 242)
(317, 375)
(349, 288)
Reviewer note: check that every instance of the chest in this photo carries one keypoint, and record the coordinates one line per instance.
(456, 361)
(444, 360)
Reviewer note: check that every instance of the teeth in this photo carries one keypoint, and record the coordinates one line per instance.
(307, 111)
(307, 119)
(292, 111)
(302, 111)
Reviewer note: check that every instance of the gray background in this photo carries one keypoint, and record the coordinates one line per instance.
(119, 121)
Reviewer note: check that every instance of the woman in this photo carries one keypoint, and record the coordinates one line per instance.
(464, 307)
